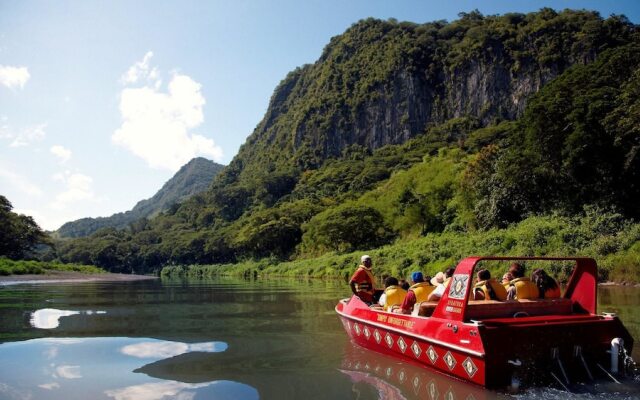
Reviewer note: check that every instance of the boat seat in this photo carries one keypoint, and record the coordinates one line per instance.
(486, 309)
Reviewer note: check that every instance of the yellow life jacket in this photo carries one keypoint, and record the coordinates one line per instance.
(525, 289)
(422, 290)
(499, 291)
(366, 286)
(394, 295)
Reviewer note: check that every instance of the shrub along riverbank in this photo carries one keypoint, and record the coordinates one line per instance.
(609, 238)
(22, 267)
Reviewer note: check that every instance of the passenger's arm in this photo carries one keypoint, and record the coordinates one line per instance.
(511, 293)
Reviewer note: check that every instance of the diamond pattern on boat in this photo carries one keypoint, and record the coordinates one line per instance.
(469, 367)
(388, 339)
(356, 328)
(415, 347)
(402, 344)
(377, 336)
(367, 333)
(432, 354)
(450, 360)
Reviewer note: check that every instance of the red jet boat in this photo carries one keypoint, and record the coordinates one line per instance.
(493, 343)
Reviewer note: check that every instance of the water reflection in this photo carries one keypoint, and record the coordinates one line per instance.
(184, 391)
(395, 379)
(49, 318)
(165, 349)
(222, 338)
(54, 368)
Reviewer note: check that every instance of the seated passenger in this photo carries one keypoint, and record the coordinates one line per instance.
(506, 278)
(487, 288)
(439, 290)
(547, 286)
(404, 284)
(393, 294)
(417, 293)
(520, 287)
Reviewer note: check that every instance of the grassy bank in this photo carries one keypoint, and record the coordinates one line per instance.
(607, 237)
(21, 267)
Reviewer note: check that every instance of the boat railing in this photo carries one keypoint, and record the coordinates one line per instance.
(581, 292)
(488, 309)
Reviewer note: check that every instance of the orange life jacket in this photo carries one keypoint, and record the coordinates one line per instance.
(367, 286)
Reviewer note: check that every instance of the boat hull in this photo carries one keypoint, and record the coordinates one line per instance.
(492, 353)
(398, 335)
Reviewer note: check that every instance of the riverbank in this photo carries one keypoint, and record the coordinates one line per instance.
(613, 243)
(70, 276)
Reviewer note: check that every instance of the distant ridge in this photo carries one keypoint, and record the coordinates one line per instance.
(194, 177)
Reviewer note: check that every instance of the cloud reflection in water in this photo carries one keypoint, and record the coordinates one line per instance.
(49, 318)
(219, 390)
(166, 349)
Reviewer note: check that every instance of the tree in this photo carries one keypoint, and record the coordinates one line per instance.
(19, 234)
(346, 228)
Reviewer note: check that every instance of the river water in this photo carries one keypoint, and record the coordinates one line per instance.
(218, 339)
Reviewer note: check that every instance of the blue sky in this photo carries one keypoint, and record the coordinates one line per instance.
(102, 102)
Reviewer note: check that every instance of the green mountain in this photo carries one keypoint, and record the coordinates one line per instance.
(192, 178)
(400, 131)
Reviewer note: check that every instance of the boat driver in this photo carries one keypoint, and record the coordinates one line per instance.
(363, 283)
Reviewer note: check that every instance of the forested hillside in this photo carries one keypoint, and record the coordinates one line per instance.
(403, 131)
(194, 177)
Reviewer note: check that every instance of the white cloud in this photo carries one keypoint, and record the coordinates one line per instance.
(13, 77)
(157, 126)
(25, 137)
(19, 182)
(49, 221)
(68, 371)
(61, 152)
(141, 70)
(50, 386)
(78, 188)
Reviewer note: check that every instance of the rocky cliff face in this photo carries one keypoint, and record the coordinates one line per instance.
(384, 82)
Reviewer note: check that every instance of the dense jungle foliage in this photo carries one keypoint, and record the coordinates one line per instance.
(348, 159)
(21, 267)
